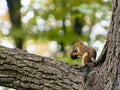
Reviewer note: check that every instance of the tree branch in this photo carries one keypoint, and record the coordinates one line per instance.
(21, 70)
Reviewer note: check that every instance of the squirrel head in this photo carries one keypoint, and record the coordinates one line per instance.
(77, 49)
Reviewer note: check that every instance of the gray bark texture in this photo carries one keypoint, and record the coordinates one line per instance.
(21, 70)
(24, 71)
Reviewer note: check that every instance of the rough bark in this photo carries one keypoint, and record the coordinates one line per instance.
(107, 74)
(21, 70)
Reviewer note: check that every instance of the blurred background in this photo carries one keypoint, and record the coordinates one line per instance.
(50, 27)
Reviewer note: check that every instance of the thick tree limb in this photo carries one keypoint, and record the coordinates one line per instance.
(21, 70)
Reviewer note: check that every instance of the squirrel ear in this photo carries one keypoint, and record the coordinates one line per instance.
(79, 40)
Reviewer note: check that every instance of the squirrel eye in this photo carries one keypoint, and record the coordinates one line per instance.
(76, 50)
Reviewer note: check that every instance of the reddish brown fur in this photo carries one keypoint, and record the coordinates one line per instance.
(82, 50)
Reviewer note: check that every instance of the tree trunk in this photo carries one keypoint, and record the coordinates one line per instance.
(108, 74)
(21, 70)
(15, 16)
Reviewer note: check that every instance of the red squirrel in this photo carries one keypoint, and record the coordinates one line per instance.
(80, 50)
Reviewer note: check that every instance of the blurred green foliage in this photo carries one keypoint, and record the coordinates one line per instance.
(63, 11)
(62, 20)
